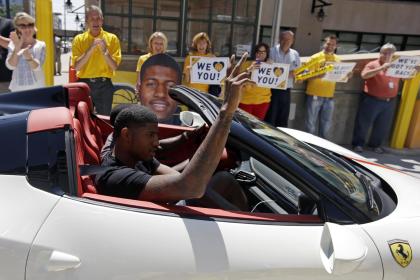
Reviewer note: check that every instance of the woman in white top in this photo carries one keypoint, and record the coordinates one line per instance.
(26, 55)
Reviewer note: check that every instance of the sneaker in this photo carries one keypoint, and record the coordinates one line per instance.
(378, 150)
(358, 149)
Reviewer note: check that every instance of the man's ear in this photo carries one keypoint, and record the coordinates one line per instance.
(125, 133)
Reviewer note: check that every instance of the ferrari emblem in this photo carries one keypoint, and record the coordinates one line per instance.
(401, 251)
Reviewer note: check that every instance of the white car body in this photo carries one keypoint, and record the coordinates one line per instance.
(63, 236)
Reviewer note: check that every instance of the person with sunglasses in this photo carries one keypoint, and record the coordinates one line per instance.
(26, 55)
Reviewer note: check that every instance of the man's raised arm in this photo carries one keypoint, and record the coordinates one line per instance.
(192, 182)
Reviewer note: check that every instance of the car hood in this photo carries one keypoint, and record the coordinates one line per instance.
(406, 186)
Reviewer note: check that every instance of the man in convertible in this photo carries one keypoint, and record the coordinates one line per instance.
(134, 172)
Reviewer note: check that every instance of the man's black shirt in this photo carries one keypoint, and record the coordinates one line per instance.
(122, 181)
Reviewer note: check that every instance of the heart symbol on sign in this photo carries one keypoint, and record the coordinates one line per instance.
(278, 71)
(218, 65)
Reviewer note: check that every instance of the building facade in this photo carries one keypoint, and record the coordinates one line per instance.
(361, 25)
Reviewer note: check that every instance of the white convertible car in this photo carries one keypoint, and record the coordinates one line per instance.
(316, 210)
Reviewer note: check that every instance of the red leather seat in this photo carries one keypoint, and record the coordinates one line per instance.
(78, 92)
(85, 183)
(91, 132)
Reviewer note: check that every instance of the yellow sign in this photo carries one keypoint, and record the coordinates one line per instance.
(401, 251)
(309, 64)
(319, 71)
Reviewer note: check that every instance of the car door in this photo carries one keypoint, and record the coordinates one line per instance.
(84, 239)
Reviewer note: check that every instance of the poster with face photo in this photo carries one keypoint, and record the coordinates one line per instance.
(208, 70)
(271, 75)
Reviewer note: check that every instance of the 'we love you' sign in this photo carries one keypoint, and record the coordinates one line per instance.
(208, 70)
(271, 75)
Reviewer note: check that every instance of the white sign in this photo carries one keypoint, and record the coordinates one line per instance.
(241, 49)
(340, 73)
(271, 75)
(208, 70)
(403, 67)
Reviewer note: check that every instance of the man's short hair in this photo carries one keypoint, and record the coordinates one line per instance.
(93, 8)
(133, 116)
(116, 110)
(283, 33)
(388, 46)
(331, 37)
(163, 60)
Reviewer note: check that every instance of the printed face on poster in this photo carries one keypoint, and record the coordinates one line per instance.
(208, 70)
(403, 67)
(271, 75)
(340, 72)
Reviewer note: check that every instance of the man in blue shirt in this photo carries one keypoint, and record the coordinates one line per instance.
(278, 113)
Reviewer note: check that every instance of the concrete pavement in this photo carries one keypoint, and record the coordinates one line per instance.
(406, 160)
(64, 77)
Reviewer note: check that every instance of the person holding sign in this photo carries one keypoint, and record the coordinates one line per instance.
(320, 92)
(157, 44)
(201, 46)
(376, 108)
(256, 100)
(278, 113)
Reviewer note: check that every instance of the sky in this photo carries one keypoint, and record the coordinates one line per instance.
(58, 7)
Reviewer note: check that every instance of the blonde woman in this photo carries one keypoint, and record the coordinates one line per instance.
(26, 55)
(201, 46)
(158, 43)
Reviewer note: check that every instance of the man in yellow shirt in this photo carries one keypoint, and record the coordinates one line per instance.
(320, 93)
(96, 55)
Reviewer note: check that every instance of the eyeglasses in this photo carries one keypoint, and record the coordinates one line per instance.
(23, 26)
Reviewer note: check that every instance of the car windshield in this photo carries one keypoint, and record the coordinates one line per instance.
(332, 172)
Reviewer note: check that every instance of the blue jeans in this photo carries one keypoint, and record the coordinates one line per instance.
(376, 114)
(322, 108)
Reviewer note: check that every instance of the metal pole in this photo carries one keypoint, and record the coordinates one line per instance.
(44, 24)
(65, 27)
(405, 112)
(275, 31)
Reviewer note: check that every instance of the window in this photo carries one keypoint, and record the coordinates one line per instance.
(357, 42)
(413, 43)
(9, 8)
(228, 23)
(265, 34)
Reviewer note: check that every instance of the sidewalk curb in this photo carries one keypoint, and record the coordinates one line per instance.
(402, 152)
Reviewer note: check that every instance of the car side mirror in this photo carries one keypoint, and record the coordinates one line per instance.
(191, 119)
(342, 251)
(305, 204)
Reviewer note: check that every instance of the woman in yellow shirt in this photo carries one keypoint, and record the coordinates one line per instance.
(158, 43)
(256, 100)
(201, 46)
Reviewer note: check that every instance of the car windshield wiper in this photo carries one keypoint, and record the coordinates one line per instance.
(367, 186)
(368, 189)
